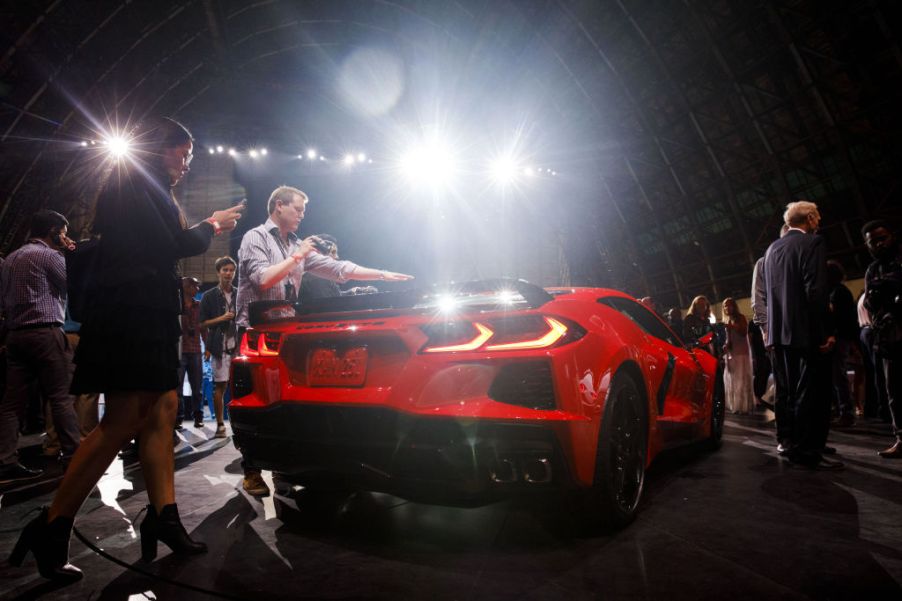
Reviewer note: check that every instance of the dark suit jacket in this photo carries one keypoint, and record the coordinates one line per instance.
(795, 272)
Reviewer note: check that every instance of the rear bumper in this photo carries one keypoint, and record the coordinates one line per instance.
(442, 460)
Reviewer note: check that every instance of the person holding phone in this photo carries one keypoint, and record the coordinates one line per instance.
(129, 344)
(33, 299)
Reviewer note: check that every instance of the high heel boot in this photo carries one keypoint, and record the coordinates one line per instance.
(49, 543)
(166, 527)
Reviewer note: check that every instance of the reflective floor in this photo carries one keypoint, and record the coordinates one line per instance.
(736, 524)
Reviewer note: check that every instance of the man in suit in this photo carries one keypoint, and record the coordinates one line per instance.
(795, 274)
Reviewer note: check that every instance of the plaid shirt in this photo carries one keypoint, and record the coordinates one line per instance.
(33, 285)
(262, 247)
(191, 328)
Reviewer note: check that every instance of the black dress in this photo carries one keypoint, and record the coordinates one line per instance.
(129, 336)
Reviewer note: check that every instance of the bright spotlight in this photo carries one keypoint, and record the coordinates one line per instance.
(322, 158)
(447, 304)
(219, 149)
(117, 146)
(506, 297)
(311, 154)
(504, 170)
(432, 164)
(349, 159)
(83, 143)
(361, 157)
(264, 152)
(529, 172)
(212, 151)
(253, 153)
(232, 152)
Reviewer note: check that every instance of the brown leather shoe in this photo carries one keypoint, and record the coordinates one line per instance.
(254, 485)
(894, 452)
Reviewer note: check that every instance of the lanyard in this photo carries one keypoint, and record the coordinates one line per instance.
(290, 291)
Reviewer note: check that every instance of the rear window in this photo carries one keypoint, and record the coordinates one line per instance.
(647, 321)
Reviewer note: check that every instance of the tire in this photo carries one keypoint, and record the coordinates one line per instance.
(620, 458)
(718, 410)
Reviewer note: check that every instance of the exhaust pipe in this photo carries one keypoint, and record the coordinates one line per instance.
(537, 471)
(504, 471)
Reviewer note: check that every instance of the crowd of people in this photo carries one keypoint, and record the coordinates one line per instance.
(143, 330)
(805, 335)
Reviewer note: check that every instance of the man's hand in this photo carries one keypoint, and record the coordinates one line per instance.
(308, 245)
(828, 344)
(228, 315)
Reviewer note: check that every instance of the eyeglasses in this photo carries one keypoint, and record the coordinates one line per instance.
(188, 158)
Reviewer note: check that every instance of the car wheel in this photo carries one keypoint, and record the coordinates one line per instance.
(718, 410)
(620, 457)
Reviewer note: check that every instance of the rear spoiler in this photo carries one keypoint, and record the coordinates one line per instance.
(472, 294)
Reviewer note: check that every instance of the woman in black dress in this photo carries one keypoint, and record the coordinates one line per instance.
(129, 344)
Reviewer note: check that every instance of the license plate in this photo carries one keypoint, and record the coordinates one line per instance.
(331, 367)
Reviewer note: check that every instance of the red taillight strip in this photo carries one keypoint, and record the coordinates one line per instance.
(480, 339)
(245, 348)
(265, 351)
(556, 332)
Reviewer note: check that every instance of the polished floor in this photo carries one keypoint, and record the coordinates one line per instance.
(735, 524)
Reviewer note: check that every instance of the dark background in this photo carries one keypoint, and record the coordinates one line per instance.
(678, 129)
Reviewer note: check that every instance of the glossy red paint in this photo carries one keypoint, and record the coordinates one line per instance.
(676, 383)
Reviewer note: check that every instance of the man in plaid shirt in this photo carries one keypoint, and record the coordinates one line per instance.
(33, 297)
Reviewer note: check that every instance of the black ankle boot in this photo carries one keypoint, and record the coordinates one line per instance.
(49, 543)
(166, 527)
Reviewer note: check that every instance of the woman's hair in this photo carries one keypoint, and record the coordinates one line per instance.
(696, 302)
(736, 316)
(154, 134)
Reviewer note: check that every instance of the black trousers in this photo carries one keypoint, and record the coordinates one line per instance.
(802, 400)
(892, 366)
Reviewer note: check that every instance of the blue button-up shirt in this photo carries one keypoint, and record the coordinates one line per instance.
(33, 285)
(262, 247)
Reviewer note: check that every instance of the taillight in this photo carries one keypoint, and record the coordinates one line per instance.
(477, 340)
(271, 341)
(534, 340)
(256, 344)
(523, 332)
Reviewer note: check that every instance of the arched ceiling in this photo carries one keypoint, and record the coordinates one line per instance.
(680, 127)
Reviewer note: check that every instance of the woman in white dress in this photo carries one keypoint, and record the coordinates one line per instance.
(737, 374)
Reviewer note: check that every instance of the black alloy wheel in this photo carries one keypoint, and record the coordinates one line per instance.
(718, 410)
(620, 458)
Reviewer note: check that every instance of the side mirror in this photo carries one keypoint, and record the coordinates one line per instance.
(703, 341)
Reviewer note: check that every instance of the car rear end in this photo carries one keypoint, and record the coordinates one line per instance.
(449, 398)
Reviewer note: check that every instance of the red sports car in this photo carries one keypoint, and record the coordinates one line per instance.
(463, 395)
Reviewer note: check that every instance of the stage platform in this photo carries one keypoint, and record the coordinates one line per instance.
(735, 524)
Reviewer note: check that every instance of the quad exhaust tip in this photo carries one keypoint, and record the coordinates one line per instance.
(531, 470)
